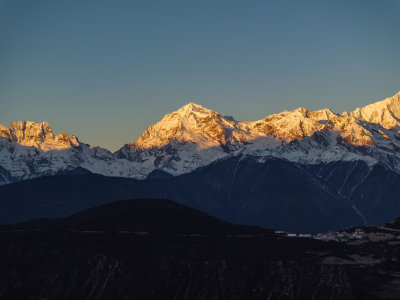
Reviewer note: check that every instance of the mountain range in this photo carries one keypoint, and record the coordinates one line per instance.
(195, 136)
(301, 171)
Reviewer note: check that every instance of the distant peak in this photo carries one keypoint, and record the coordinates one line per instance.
(301, 110)
(192, 104)
(381, 104)
(29, 123)
(325, 110)
(39, 135)
(22, 126)
(192, 107)
(384, 112)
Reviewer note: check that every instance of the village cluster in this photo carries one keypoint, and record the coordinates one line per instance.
(345, 236)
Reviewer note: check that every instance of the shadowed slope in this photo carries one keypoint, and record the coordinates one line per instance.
(141, 215)
(272, 193)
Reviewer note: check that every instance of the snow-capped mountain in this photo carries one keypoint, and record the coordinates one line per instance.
(29, 150)
(195, 136)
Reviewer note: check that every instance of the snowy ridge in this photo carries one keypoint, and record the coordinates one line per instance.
(194, 136)
(29, 150)
(385, 113)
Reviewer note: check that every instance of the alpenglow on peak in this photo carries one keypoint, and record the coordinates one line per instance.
(194, 136)
(385, 112)
(192, 107)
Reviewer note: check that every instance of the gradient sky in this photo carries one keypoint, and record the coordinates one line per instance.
(105, 70)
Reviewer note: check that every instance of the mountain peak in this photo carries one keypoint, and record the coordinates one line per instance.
(191, 123)
(385, 112)
(39, 135)
(29, 132)
(192, 107)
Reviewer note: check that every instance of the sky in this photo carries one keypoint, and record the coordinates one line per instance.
(106, 70)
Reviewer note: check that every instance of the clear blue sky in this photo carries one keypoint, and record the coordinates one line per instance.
(105, 70)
